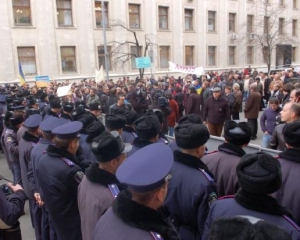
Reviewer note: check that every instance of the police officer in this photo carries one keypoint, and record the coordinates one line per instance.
(129, 132)
(147, 130)
(68, 108)
(96, 111)
(29, 139)
(33, 108)
(11, 210)
(222, 163)
(115, 123)
(12, 146)
(259, 174)
(94, 192)
(192, 189)
(86, 120)
(43, 103)
(190, 118)
(46, 126)
(288, 195)
(135, 213)
(93, 130)
(55, 108)
(161, 117)
(59, 174)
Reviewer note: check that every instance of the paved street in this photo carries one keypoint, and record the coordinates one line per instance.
(27, 231)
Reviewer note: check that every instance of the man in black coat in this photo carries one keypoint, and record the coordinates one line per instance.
(59, 173)
(192, 190)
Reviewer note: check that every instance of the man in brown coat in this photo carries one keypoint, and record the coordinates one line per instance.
(251, 109)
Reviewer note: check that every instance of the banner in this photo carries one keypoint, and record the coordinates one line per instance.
(42, 81)
(21, 75)
(186, 69)
(99, 75)
(64, 90)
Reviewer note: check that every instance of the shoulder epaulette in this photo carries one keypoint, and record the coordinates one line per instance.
(211, 152)
(291, 222)
(114, 190)
(156, 236)
(68, 161)
(207, 176)
(226, 197)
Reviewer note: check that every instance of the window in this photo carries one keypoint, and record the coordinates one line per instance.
(250, 55)
(163, 17)
(281, 3)
(231, 60)
(188, 19)
(294, 54)
(231, 22)
(164, 56)
(266, 54)
(211, 55)
(135, 52)
(26, 57)
(101, 57)
(189, 55)
(250, 23)
(211, 21)
(280, 26)
(294, 27)
(22, 14)
(266, 25)
(68, 59)
(134, 16)
(98, 14)
(295, 4)
(64, 13)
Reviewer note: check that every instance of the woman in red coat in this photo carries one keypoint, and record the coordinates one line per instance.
(174, 116)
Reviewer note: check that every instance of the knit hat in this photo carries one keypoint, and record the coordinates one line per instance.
(259, 173)
(291, 134)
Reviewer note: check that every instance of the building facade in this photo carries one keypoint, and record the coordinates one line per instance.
(64, 38)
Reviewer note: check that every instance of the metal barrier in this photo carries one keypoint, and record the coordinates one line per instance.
(213, 143)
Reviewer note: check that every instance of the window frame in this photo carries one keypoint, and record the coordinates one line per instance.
(132, 62)
(21, 8)
(209, 19)
(102, 55)
(295, 4)
(190, 18)
(99, 12)
(192, 55)
(294, 54)
(294, 27)
(138, 14)
(250, 54)
(65, 9)
(230, 54)
(25, 57)
(161, 16)
(212, 55)
(160, 56)
(250, 20)
(75, 60)
(266, 24)
(232, 22)
(281, 26)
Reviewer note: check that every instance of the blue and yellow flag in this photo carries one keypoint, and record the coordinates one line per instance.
(21, 74)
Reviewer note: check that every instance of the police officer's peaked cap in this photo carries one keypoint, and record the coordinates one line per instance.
(237, 133)
(68, 130)
(9, 99)
(291, 134)
(16, 120)
(147, 126)
(114, 121)
(18, 107)
(48, 124)
(146, 169)
(33, 121)
(93, 130)
(259, 173)
(190, 118)
(17, 101)
(189, 136)
(108, 146)
(33, 101)
(95, 106)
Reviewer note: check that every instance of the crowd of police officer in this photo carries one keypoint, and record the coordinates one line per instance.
(72, 168)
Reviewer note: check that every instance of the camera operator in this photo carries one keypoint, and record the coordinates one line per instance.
(11, 209)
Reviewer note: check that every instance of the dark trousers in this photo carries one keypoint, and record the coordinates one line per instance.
(253, 123)
(36, 218)
(215, 129)
(235, 116)
(47, 227)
